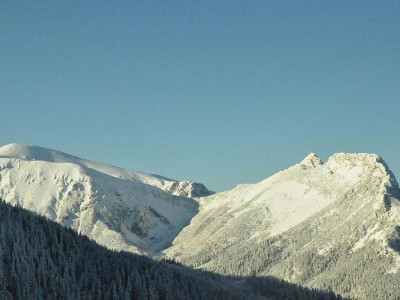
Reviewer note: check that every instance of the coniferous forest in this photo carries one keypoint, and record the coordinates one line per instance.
(40, 259)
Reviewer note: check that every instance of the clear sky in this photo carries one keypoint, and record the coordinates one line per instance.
(222, 92)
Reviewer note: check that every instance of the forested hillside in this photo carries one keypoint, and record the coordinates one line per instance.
(40, 259)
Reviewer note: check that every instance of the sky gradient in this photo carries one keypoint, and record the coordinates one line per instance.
(222, 92)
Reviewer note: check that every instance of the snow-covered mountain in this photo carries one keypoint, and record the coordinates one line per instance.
(332, 226)
(121, 209)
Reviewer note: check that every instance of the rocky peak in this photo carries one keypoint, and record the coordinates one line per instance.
(311, 160)
(188, 189)
(366, 162)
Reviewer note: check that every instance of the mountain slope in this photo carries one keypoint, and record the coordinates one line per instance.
(121, 209)
(40, 259)
(31, 153)
(332, 226)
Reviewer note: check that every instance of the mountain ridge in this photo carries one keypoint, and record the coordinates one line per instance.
(314, 223)
(31, 152)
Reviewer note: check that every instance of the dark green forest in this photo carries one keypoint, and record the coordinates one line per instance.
(40, 259)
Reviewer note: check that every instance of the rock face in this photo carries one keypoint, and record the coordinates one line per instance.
(332, 226)
(121, 209)
(188, 189)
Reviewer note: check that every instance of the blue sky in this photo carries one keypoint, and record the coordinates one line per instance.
(222, 92)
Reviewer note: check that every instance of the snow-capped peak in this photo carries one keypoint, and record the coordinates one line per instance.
(311, 160)
(31, 152)
(362, 161)
(36, 153)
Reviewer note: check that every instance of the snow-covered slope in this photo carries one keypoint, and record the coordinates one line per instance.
(31, 153)
(266, 208)
(316, 224)
(121, 209)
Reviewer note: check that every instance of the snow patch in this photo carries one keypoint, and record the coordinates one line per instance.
(326, 248)
(361, 243)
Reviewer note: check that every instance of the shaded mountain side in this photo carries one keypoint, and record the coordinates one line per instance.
(40, 259)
